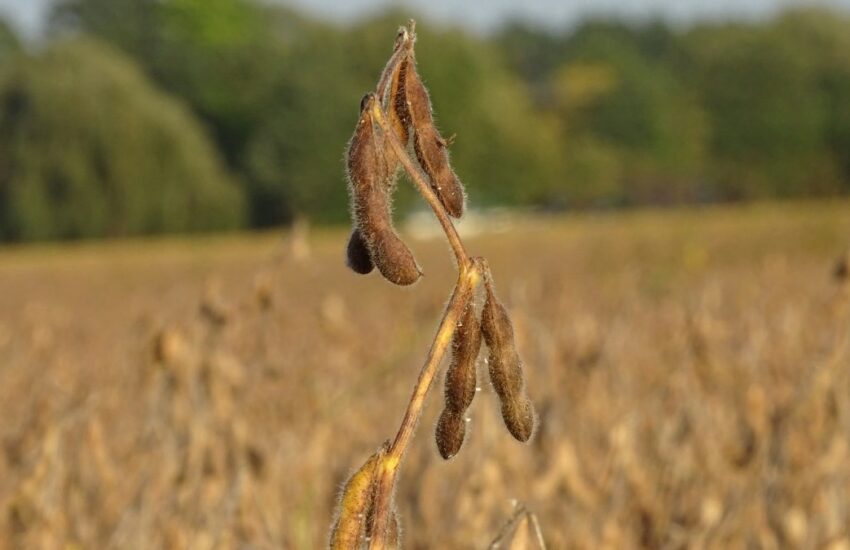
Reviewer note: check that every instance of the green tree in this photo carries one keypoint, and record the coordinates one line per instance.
(821, 35)
(507, 150)
(218, 55)
(633, 132)
(767, 113)
(9, 44)
(92, 149)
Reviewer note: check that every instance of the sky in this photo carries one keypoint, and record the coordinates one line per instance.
(485, 15)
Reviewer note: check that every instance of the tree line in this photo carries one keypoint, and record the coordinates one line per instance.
(143, 116)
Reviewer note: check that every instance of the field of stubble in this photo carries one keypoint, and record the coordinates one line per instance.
(691, 372)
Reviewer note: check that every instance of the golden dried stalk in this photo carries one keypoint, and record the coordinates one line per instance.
(389, 467)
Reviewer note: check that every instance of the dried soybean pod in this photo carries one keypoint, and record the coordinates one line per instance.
(450, 432)
(505, 368)
(433, 155)
(461, 375)
(395, 95)
(356, 500)
(413, 107)
(370, 183)
(461, 380)
(357, 254)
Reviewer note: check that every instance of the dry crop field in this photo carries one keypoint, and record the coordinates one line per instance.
(691, 371)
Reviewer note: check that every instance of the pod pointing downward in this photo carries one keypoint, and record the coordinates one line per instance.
(371, 181)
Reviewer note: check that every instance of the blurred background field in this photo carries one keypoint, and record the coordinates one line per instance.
(691, 370)
(662, 192)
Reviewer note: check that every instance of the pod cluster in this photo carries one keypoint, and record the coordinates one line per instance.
(372, 167)
(371, 176)
(505, 370)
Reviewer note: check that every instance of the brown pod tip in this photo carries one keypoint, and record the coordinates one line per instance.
(357, 254)
(451, 429)
(394, 260)
(520, 421)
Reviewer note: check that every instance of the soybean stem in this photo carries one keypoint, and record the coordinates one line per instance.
(389, 466)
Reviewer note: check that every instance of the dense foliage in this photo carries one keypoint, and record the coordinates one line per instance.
(90, 148)
(606, 114)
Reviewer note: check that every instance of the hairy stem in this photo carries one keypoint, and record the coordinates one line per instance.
(388, 469)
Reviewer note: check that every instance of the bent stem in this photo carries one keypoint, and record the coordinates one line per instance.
(389, 466)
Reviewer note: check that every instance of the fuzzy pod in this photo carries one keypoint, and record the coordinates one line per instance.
(356, 500)
(413, 108)
(461, 376)
(450, 432)
(371, 181)
(357, 254)
(505, 368)
(519, 417)
(433, 155)
(461, 380)
(389, 89)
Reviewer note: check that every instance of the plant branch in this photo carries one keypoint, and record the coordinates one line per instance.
(470, 274)
(388, 469)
